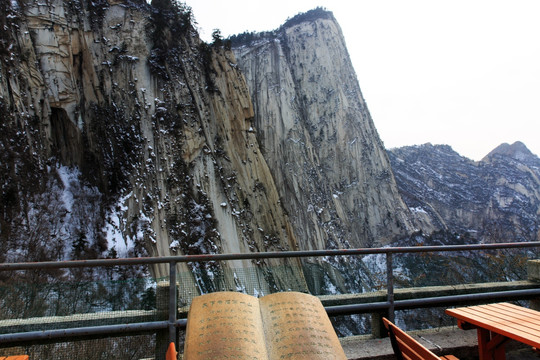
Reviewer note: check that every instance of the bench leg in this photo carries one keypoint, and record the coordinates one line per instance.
(490, 346)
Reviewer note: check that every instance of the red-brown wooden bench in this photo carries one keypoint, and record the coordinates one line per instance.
(16, 357)
(406, 348)
(171, 352)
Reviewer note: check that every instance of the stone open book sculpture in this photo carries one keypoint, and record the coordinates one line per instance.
(287, 325)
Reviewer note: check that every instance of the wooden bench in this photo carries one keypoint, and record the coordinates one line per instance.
(171, 352)
(406, 348)
(16, 357)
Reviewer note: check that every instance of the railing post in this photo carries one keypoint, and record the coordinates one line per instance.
(173, 308)
(377, 327)
(533, 274)
(390, 286)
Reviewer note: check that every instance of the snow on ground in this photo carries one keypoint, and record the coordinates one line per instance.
(115, 225)
(68, 176)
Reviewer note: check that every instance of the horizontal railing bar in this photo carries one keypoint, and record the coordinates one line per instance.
(262, 255)
(8, 340)
(182, 323)
(86, 332)
(430, 302)
(82, 332)
(352, 309)
(453, 299)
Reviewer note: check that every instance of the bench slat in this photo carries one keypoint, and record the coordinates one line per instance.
(409, 348)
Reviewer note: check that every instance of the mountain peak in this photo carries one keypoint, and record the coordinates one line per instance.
(248, 38)
(310, 15)
(517, 151)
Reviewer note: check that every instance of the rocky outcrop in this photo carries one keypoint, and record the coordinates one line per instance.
(159, 124)
(331, 169)
(494, 200)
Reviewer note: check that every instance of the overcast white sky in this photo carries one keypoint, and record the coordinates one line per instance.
(460, 72)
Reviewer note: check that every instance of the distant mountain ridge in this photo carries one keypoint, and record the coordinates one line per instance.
(517, 151)
(496, 199)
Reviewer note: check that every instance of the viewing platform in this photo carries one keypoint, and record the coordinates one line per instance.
(158, 317)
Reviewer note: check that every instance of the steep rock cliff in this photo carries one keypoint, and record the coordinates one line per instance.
(318, 138)
(330, 167)
(153, 125)
(494, 200)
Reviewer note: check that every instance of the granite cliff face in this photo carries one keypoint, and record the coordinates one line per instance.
(141, 134)
(331, 169)
(132, 137)
(494, 200)
(330, 166)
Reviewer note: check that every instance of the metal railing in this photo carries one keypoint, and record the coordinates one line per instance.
(173, 323)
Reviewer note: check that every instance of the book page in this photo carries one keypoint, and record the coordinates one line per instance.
(297, 327)
(225, 325)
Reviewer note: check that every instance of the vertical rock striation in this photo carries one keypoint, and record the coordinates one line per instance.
(330, 167)
(156, 120)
